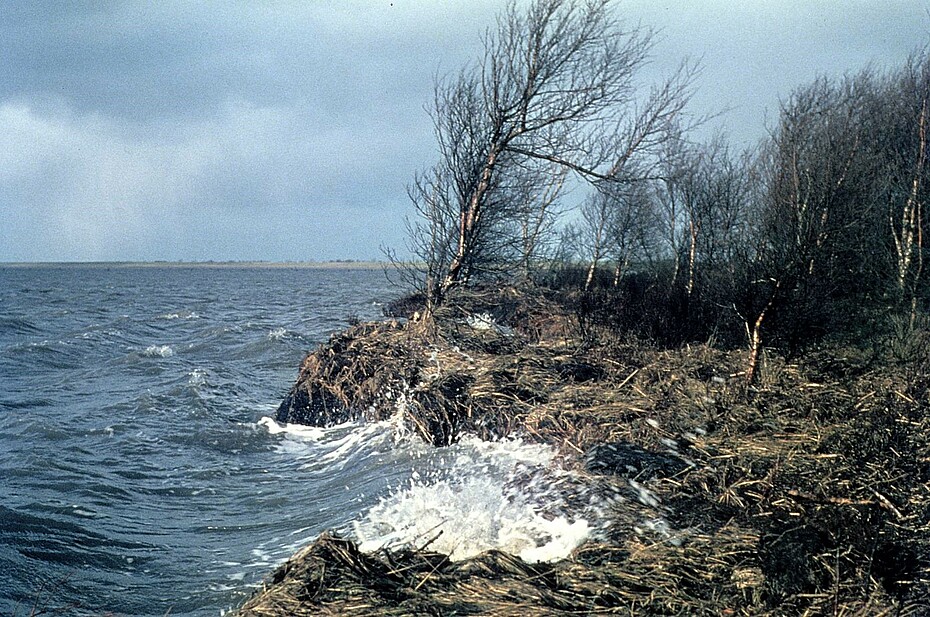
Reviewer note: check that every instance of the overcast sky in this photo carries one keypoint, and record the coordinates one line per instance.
(283, 131)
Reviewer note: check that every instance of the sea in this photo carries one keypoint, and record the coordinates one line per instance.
(141, 470)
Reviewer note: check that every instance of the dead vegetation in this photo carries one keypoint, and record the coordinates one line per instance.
(807, 493)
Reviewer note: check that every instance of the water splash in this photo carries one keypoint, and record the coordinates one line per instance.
(461, 500)
(466, 517)
(477, 496)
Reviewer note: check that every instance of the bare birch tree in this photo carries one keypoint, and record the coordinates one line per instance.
(538, 209)
(556, 84)
(902, 115)
(617, 225)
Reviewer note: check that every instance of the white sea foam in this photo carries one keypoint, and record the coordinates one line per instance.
(503, 495)
(643, 494)
(277, 334)
(330, 447)
(158, 351)
(180, 315)
(80, 511)
(197, 377)
(461, 500)
(507, 452)
(468, 516)
(298, 430)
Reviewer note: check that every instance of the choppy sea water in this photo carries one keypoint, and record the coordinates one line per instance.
(140, 473)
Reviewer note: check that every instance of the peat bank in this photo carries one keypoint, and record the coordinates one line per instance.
(804, 492)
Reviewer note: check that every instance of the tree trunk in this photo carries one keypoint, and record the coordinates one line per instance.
(620, 270)
(591, 270)
(692, 254)
(907, 234)
(755, 338)
(468, 221)
(598, 244)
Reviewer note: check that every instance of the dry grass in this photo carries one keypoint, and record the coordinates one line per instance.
(809, 494)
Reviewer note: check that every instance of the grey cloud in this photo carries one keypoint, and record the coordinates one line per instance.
(288, 130)
(145, 60)
(105, 189)
(754, 53)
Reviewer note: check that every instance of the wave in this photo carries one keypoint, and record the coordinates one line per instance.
(148, 428)
(158, 351)
(332, 448)
(277, 334)
(180, 315)
(17, 325)
(505, 495)
(45, 354)
(474, 496)
(276, 428)
(468, 516)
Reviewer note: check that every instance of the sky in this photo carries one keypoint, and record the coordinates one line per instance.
(281, 130)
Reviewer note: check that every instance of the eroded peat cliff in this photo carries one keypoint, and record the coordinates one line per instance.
(804, 493)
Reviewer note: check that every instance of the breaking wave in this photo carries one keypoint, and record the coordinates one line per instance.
(462, 500)
(158, 351)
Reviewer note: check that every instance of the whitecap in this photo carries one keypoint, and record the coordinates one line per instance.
(299, 430)
(158, 351)
(332, 446)
(277, 334)
(180, 315)
(80, 511)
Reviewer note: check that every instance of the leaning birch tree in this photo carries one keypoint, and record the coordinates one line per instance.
(556, 84)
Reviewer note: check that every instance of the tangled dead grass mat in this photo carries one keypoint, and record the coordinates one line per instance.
(805, 494)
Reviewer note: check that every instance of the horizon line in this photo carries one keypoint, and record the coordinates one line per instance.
(330, 263)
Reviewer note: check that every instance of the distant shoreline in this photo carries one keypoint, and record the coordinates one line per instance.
(320, 265)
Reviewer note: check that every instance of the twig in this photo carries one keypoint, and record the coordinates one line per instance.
(884, 501)
(840, 501)
(628, 378)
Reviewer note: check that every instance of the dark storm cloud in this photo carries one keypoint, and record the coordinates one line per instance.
(145, 61)
(288, 130)
(133, 125)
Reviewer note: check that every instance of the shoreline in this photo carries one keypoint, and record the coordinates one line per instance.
(271, 265)
(790, 496)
